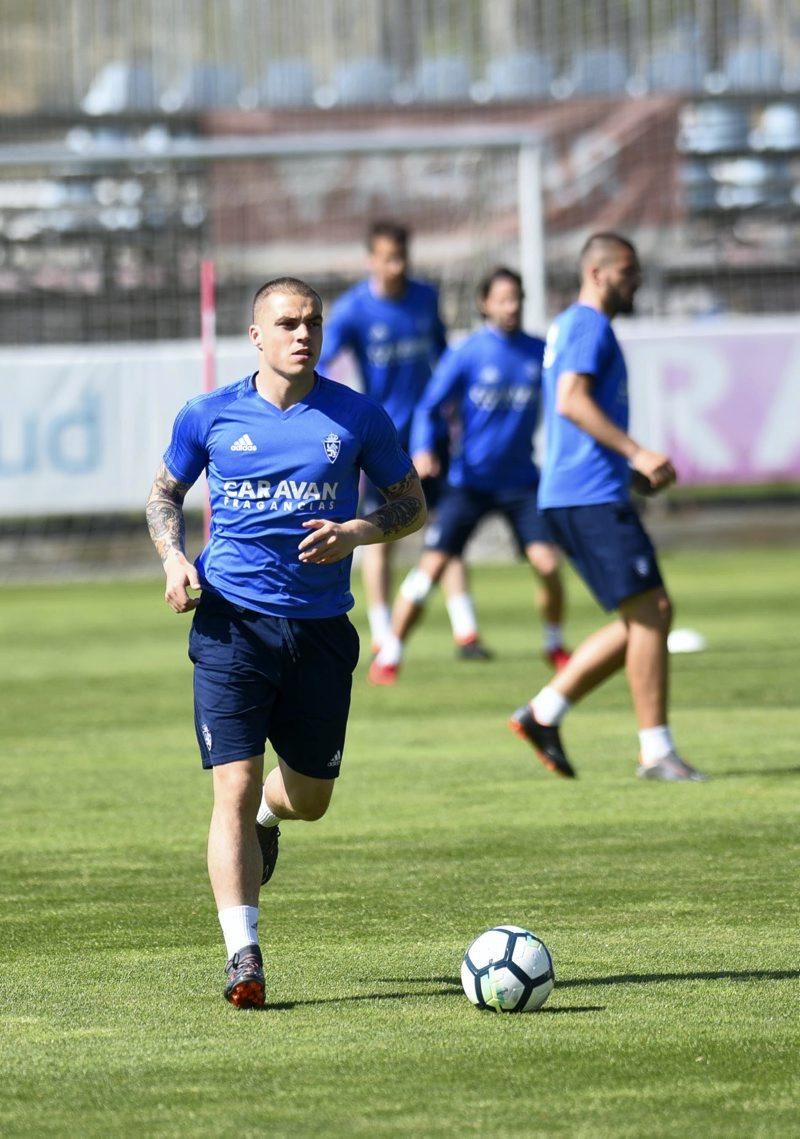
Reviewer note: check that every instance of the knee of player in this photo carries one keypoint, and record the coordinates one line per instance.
(417, 586)
(666, 611)
(545, 560)
(311, 812)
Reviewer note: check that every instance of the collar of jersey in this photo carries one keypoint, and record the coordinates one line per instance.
(295, 409)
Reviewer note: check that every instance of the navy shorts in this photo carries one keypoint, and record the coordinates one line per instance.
(609, 548)
(282, 679)
(462, 508)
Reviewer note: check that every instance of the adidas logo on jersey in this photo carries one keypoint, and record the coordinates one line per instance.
(244, 443)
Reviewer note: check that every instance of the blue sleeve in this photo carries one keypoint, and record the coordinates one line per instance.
(337, 334)
(444, 386)
(187, 457)
(583, 344)
(383, 460)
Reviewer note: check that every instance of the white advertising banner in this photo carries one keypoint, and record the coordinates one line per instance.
(82, 428)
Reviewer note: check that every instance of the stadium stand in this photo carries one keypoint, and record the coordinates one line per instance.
(679, 124)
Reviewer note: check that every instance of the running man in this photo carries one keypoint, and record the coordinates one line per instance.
(584, 494)
(493, 380)
(391, 324)
(272, 647)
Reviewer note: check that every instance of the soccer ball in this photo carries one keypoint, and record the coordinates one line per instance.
(508, 969)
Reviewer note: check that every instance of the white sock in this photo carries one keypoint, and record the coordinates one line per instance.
(265, 815)
(461, 610)
(391, 651)
(655, 743)
(239, 927)
(380, 622)
(553, 636)
(549, 706)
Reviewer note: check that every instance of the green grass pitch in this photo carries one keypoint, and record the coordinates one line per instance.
(671, 911)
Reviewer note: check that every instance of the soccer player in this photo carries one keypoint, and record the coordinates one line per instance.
(493, 380)
(272, 646)
(391, 324)
(590, 463)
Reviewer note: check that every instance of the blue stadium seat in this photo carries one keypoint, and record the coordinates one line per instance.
(746, 183)
(681, 70)
(698, 188)
(364, 81)
(709, 127)
(598, 71)
(287, 83)
(442, 79)
(778, 128)
(524, 75)
(119, 87)
(206, 86)
(753, 69)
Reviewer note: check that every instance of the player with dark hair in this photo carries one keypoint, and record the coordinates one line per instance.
(492, 380)
(584, 494)
(272, 646)
(391, 324)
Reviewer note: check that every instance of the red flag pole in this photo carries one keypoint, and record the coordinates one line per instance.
(208, 341)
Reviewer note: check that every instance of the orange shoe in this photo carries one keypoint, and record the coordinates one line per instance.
(245, 987)
(544, 739)
(558, 658)
(383, 675)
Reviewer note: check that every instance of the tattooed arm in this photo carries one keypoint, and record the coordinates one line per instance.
(167, 528)
(403, 512)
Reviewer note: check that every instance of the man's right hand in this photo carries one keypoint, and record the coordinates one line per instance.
(427, 464)
(181, 574)
(655, 471)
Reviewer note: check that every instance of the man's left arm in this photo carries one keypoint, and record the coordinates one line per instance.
(403, 512)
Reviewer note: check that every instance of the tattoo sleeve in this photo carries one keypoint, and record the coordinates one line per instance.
(164, 513)
(404, 511)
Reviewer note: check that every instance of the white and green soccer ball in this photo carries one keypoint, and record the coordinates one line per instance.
(508, 969)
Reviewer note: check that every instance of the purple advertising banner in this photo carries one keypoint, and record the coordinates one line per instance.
(723, 400)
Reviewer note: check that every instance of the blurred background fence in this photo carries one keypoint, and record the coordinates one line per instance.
(141, 138)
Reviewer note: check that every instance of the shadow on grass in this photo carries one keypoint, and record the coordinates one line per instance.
(664, 978)
(756, 771)
(452, 988)
(643, 978)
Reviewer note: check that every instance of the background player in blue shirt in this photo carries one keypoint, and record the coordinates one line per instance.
(272, 646)
(584, 493)
(493, 381)
(391, 324)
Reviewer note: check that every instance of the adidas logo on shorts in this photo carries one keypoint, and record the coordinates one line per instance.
(336, 759)
(244, 443)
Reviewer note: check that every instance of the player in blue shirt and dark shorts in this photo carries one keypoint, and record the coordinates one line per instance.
(584, 493)
(391, 324)
(493, 382)
(272, 646)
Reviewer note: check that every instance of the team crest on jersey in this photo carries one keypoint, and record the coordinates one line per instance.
(379, 332)
(490, 374)
(333, 445)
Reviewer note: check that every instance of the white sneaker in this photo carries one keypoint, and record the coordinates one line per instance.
(671, 769)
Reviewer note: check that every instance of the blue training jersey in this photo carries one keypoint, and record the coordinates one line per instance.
(271, 470)
(493, 382)
(395, 342)
(577, 470)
